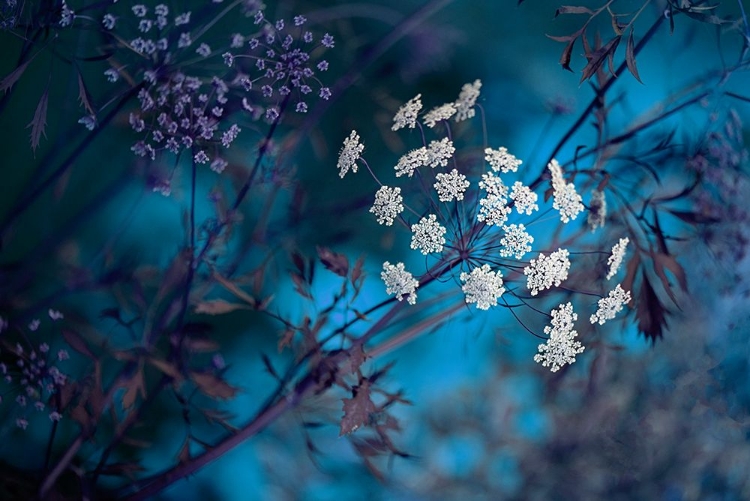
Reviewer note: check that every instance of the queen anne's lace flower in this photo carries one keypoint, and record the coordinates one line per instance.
(545, 271)
(524, 198)
(609, 306)
(566, 199)
(439, 152)
(493, 210)
(407, 114)
(443, 112)
(428, 235)
(516, 241)
(388, 204)
(597, 210)
(451, 186)
(408, 163)
(467, 98)
(493, 185)
(615, 259)
(561, 348)
(350, 153)
(483, 286)
(400, 282)
(501, 160)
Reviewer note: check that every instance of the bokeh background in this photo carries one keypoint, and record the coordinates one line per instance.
(668, 421)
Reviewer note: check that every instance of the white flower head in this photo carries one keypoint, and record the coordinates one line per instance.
(428, 235)
(406, 116)
(545, 271)
(501, 160)
(467, 98)
(516, 241)
(493, 210)
(388, 204)
(524, 198)
(439, 152)
(566, 199)
(561, 348)
(451, 186)
(483, 286)
(410, 162)
(400, 282)
(493, 185)
(597, 210)
(615, 259)
(443, 112)
(611, 305)
(349, 154)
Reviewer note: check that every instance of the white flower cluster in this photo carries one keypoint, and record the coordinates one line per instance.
(467, 98)
(408, 163)
(439, 152)
(483, 286)
(524, 198)
(406, 116)
(597, 210)
(545, 271)
(501, 160)
(451, 186)
(611, 305)
(561, 348)
(400, 282)
(442, 112)
(428, 235)
(615, 259)
(566, 199)
(493, 209)
(349, 154)
(388, 204)
(516, 242)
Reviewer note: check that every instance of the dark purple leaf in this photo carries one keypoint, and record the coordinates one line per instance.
(597, 58)
(39, 123)
(13, 77)
(651, 313)
(83, 95)
(573, 9)
(357, 409)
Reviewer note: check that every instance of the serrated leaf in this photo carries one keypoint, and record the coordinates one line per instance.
(597, 58)
(651, 313)
(333, 261)
(357, 409)
(630, 57)
(213, 386)
(12, 77)
(39, 122)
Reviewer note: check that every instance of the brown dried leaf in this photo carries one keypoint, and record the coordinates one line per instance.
(357, 409)
(630, 57)
(573, 9)
(597, 58)
(166, 367)
(335, 262)
(218, 307)
(200, 345)
(213, 386)
(76, 342)
(651, 313)
(286, 339)
(239, 293)
(136, 385)
(356, 359)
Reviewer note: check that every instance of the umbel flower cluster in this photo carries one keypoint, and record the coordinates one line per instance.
(188, 107)
(477, 222)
